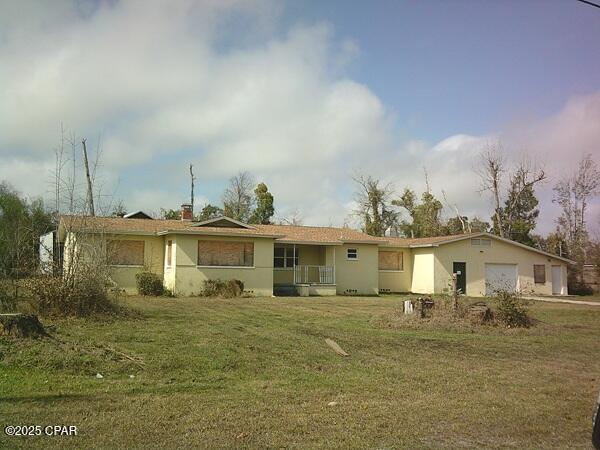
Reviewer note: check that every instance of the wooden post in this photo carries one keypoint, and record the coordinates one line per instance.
(193, 178)
(454, 293)
(90, 195)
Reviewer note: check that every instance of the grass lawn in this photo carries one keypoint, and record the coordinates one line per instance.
(257, 372)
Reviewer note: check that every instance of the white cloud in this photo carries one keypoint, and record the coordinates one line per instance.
(215, 84)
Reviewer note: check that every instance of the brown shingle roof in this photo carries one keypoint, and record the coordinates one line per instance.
(281, 233)
(284, 233)
(293, 233)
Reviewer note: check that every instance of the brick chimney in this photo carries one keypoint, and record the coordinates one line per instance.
(187, 213)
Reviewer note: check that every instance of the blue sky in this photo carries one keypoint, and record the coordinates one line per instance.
(301, 94)
(448, 67)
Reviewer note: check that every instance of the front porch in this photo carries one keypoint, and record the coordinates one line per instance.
(304, 270)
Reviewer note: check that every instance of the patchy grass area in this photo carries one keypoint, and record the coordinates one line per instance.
(587, 298)
(257, 372)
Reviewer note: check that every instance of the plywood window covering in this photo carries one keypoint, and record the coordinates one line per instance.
(125, 253)
(539, 273)
(223, 253)
(391, 260)
(169, 252)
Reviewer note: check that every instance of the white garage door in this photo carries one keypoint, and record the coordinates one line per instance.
(500, 276)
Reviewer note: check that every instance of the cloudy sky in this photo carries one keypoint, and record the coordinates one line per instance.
(302, 94)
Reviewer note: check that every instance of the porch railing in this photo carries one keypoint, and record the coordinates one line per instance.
(314, 275)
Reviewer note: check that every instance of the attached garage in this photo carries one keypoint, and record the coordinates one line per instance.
(501, 277)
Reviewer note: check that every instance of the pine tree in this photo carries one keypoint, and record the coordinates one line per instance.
(425, 216)
(519, 213)
(264, 205)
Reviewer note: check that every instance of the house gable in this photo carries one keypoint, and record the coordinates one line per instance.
(223, 222)
(138, 215)
(507, 241)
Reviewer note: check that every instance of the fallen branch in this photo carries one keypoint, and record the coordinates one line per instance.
(126, 356)
(336, 348)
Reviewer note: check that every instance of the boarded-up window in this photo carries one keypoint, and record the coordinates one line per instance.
(169, 252)
(389, 260)
(125, 253)
(539, 273)
(222, 253)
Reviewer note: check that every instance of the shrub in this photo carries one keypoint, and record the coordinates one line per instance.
(149, 283)
(580, 288)
(81, 296)
(512, 311)
(8, 302)
(220, 288)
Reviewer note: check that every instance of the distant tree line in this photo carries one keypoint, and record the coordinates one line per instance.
(22, 222)
(242, 200)
(515, 212)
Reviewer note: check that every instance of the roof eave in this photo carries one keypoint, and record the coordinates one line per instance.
(359, 241)
(301, 242)
(111, 232)
(218, 233)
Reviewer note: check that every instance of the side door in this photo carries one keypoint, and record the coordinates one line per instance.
(460, 269)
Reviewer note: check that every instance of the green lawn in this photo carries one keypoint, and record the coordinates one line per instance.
(257, 372)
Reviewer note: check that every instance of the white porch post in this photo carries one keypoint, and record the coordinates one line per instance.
(334, 265)
(294, 263)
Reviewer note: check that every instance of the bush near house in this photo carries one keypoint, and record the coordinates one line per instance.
(221, 288)
(149, 283)
(512, 311)
(84, 296)
(8, 302)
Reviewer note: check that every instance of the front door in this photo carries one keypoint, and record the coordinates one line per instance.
(556, 280)
(460, 269)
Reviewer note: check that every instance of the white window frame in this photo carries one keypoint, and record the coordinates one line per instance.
(288, 252)
(348, 254)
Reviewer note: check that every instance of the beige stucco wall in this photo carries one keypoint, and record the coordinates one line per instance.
(397, 280)
(189, 278)
(423, 261)
(357, 275)
(500, 253)
(94, 246)
(124, 276)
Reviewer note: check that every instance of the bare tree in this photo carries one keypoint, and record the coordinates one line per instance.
(464, 222)
(293, 218)
(523, 177)
(491, 168)
(237, 198)
(573, 193)
(586, 185)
